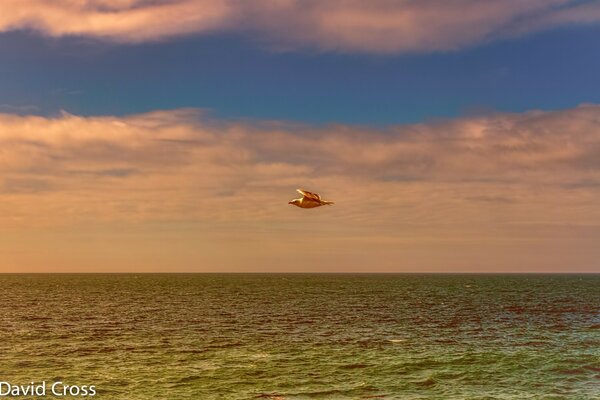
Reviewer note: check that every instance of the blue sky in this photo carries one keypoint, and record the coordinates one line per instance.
(237, 77)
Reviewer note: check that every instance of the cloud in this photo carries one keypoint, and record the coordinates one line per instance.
(119, 20)
(383, 26)
(24, 186)
(180, 188)
(185, 165)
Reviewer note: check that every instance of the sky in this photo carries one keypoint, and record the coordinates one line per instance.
(169, 136)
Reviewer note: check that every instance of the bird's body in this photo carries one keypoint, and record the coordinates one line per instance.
(309, 200)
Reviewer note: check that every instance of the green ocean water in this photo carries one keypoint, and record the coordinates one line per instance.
(305, 336)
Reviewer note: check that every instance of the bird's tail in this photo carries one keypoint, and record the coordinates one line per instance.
(327, 202)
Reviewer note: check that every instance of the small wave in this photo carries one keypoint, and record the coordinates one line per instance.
(575, 371)
(224, 345)
(515, 309)
(272, 396)
(189, 378)
(446, 341)
(427, 382)
(331, 393)
(532, 343)
(34, 318)
(355, 366)
(192, 351)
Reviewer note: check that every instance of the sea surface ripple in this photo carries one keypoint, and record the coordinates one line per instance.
(305, 336)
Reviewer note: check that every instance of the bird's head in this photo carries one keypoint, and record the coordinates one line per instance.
(294, 202)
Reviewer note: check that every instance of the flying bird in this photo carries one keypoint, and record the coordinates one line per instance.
(309, 200)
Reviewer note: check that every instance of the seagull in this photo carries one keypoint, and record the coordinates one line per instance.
(309, 200)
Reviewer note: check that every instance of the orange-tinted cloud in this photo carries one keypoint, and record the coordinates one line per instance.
(382, 26)
(479, 185)
(120, 20)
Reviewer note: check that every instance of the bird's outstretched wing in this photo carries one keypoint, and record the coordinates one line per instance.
(309, 195)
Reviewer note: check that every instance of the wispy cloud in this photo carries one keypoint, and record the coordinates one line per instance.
(121, 20)
(382, 26)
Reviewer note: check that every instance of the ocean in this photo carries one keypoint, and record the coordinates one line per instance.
(304, 336)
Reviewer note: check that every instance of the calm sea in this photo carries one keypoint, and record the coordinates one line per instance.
(213, 336)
